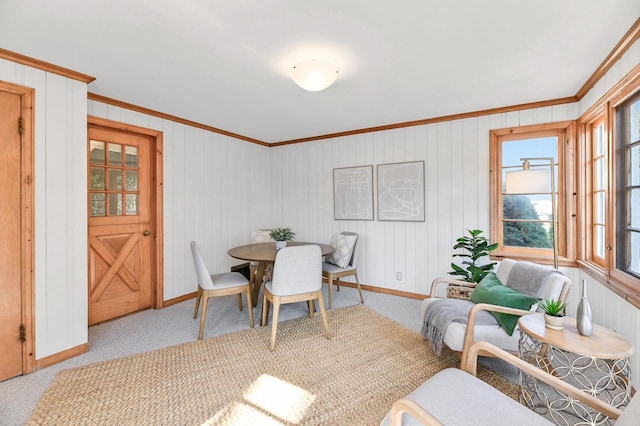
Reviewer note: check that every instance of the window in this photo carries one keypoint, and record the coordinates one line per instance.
(611, 193)
(627, 204)
(522, 223)
(597, 155)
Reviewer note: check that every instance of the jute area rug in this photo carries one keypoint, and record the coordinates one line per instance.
(352, 379)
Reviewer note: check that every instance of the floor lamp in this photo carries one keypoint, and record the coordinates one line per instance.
(536, 181)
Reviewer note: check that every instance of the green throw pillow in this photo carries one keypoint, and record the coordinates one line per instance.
(490, 290)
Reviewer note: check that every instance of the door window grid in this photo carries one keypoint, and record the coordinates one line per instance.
(113, 185)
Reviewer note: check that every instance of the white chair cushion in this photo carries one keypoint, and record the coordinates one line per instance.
(228, 280)
(494, 334)
(455, 397)
(631, 413)
(343, 249)
(334, 269)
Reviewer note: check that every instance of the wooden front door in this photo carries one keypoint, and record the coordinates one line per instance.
(16, 224)
(120, 222)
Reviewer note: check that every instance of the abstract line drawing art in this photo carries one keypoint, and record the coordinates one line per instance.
(353, 193)
(401, 191)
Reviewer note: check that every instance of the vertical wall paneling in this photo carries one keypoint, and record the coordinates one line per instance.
(60, 207)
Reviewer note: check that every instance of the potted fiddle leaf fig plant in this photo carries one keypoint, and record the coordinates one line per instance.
(553, 313)
(281, 236)
(475, 246)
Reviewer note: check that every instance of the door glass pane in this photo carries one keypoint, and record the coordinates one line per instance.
(115, 204)
(98, 204)
(634, 208)
(132, 204)
(115, 179)
(634, 152)
(131, 156)
(131, 180)
(96, 152)
(115, 154)
(599, 207)
(97, 178)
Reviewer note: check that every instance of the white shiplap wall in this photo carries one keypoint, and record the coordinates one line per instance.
(456, 156)
(60, 178)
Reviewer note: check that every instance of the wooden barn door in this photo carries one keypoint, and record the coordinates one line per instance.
(16, 226)
(120, 222)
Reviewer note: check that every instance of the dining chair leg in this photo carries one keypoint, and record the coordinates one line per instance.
(265, 310)
(274, 322)
(198, 297)
(359, 289)
(240, 301)
(330, 281)
(249, 305)
(338, 283)
(323, 313)
(203, 317)
(311, 308)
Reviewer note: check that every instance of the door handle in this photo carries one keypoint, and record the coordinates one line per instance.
(146, 233)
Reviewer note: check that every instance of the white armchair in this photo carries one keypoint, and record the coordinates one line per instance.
(457, 397)
(459, 334)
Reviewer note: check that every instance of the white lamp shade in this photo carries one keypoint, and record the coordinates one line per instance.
(532, 181)
(314, 75)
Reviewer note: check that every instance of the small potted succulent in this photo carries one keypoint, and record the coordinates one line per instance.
(281, 236)
(553, 313)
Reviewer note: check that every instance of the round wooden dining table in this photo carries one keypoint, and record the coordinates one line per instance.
(265, 255)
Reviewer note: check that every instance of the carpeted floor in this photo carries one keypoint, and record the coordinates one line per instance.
(235, 380)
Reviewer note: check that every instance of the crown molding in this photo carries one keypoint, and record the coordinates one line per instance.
(45, 66)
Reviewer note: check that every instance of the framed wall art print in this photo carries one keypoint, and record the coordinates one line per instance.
(401, 191)
(353, 193)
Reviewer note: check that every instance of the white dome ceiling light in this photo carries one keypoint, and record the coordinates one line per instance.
(314, 75)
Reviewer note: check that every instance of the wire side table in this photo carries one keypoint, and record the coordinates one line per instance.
(598, 365)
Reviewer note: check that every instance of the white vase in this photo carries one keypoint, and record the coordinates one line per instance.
(583, 316)
(280, 244)
(554, 323)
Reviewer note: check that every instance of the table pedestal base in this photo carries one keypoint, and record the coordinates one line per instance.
(607, 380)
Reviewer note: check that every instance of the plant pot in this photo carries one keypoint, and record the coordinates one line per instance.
(280, 244)
(554, 323)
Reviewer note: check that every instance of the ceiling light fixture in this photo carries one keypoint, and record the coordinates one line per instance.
(314, 75)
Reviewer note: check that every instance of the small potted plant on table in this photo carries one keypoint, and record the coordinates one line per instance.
(281, 236)
(553, 313)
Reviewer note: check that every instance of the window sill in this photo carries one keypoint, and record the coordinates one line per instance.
(542, 260)
(625, 290)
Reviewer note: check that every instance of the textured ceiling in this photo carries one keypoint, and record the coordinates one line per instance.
(225, 63)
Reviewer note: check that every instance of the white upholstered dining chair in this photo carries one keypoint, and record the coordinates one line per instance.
(342, 262)
(223, 284)
(259, 236)
(297, 277)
